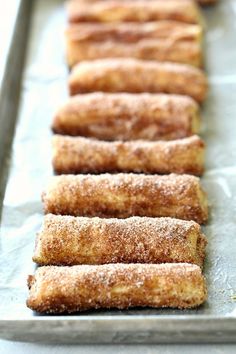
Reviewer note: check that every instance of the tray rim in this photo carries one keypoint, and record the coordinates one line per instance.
(116, 329)
(11, 76)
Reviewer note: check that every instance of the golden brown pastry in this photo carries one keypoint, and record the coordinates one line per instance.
(84, 155)
(124, 116)
(135, 76)
(70, 289)
(68, 240)
(163, 41)
(131, 10)
(123, 195)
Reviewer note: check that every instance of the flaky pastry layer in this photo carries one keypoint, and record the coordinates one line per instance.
(70, 289)
(68, 240)
(84, 155)
(123, 195)
(162, 41)
(125, 116)
(136, 76)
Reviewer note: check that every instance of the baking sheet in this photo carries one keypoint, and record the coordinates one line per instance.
(44, 88)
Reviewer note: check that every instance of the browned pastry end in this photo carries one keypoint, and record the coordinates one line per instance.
(84, 155)
(70, 289)
(123, 195)
(132, 11)
(68, 240)
(162, 41)
(136, 76)
(125, 116)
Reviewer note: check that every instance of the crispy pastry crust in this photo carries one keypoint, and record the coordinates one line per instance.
(124, 116)
(135, 76)
(83, 155)
(123, 195)
(70, 289)
(66, 240)
(162, 41)
(131, 10)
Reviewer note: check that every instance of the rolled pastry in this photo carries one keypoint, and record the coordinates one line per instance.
(163, 41)
(131, 10)
(135, 76)
(84, 287)
(123, 195)
(66, 240)
(84, 155)
(124, 116)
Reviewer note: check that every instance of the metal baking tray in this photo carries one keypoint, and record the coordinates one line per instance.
(44, 86)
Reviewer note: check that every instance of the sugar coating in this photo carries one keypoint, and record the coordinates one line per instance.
(136, 76)
(67, 240)
(77, 288)
(132, 11)
(127, 116)
(84, 155)
(123, 195)
(162, 41)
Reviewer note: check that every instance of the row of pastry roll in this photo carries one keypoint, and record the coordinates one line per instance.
(122, 217)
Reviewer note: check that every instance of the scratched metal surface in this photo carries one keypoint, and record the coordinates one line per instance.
(44, 87)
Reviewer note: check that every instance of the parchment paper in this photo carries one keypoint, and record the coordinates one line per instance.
(44, 87)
